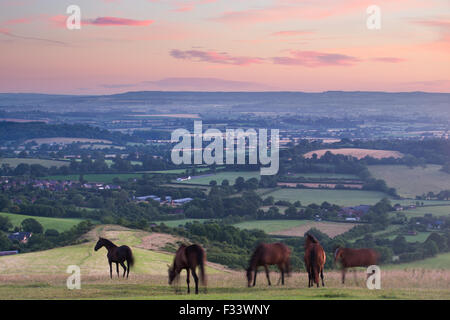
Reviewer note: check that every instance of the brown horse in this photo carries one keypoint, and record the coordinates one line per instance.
(315, 259)
(117, 255)
(350, 258)
(267, 254)
(189, 257)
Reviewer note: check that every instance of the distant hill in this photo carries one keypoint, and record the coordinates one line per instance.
(330, 102)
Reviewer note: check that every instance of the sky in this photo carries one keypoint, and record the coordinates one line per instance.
(224, 45)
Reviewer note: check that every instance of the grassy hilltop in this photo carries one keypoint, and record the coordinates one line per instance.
(42, 275)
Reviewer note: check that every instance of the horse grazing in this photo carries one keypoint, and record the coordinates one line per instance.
(267, 254)
(189, 257)
(117, 255)
(314, 260)
(350, 258)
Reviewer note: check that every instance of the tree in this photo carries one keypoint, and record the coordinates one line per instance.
(32, 225)
(5, 224)
(4, 202)
(239, 183)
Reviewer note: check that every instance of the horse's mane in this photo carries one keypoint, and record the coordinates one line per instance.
(109, 242)
(255, 255)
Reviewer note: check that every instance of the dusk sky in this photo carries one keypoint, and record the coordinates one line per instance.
(225, 45)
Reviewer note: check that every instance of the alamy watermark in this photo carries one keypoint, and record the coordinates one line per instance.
(374, 277)
(260, 147)
(373, 21)
(74, 280)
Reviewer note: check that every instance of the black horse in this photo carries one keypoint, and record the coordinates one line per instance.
(117, 255)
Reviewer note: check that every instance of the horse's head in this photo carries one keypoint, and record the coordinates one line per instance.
(172, 273)
(99, 244)
(249, 276)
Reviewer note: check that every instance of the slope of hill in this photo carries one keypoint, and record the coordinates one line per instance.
(92, 263)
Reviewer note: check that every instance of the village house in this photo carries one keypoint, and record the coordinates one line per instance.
(21, 237)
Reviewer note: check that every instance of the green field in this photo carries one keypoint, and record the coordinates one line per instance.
(434, 210)
(14, 162)
(339, 197)
(219, 177)
(419, 237)
(176, 223)
(59, 224)
(270, 225)
(324, 176)
(441, 261)
(100, 178)
(411, 182)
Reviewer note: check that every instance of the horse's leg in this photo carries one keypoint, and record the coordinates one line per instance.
(321, 276)
(117, 268)
(128, 268)
(188, 280)
(354, 274)
(254, 277)
(343, 275)
(110, 269)
(194, 275)
(124, 269)
(267, 274)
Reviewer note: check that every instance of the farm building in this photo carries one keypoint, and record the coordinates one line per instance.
(22, 237)
(357, 211)
(182, 201)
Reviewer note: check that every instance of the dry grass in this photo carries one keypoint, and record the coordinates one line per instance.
(396, 284)
(357, 153)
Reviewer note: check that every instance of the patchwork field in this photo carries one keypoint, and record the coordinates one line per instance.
(59, 224)
(339, 197)
(220, 176)
(357, 153)
(410, 182)
(295, 228)
(14, 162)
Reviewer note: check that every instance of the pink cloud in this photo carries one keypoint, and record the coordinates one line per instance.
(114, 21)
(60, 21)
(314, 59)
(388, 59)
(214, 57)
(17, 21)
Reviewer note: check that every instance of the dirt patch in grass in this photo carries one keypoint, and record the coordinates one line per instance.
(330, 228)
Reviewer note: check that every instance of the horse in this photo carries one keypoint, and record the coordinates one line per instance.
(315, 259)
(350, 258)
(117, 255)
(269, 254)
(189, 257)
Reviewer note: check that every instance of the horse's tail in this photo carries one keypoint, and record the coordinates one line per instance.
(201, 263)
(288, 263)
(130, 257)
(312, 264)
